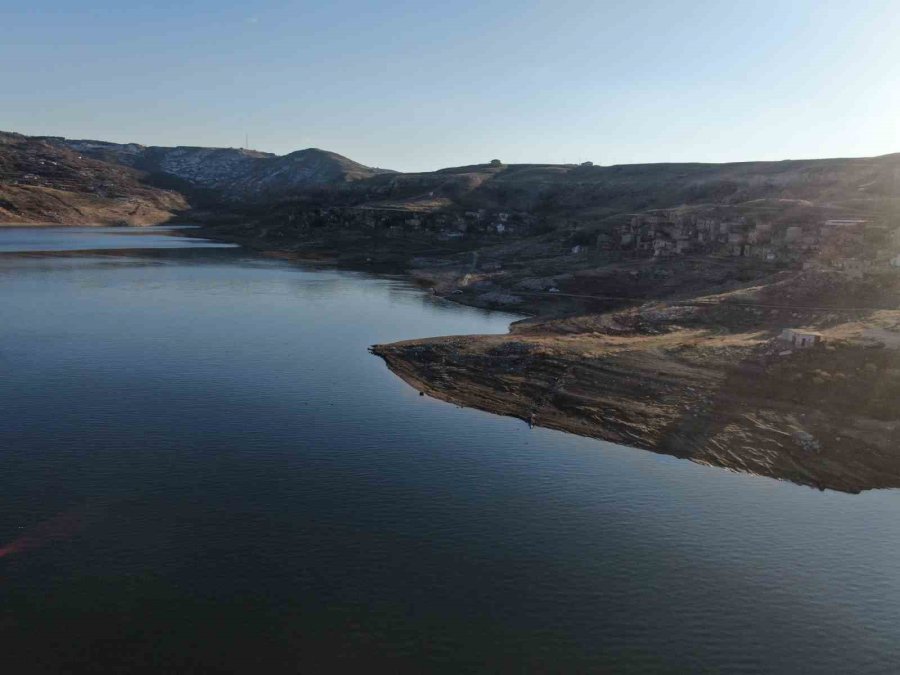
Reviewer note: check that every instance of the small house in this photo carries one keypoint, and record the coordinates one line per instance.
(799, 338)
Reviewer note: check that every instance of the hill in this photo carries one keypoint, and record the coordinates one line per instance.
(58, 180)
(595, 191)
(42, 182)
(231, 174)
(591, 196)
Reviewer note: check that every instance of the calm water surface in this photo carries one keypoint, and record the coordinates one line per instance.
(203, 470)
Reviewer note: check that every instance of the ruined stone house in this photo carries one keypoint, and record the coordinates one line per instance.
(800, 338)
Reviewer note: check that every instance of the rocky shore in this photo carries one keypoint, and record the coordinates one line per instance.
(726, 401)
(701, 377)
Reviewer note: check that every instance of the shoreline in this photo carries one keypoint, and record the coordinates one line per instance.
(699, 383)
(699, 377)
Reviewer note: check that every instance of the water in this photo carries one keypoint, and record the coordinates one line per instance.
(204, 470)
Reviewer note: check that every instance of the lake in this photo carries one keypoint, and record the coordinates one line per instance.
(205, 471)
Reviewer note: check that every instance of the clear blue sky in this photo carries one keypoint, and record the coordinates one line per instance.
(423, 85)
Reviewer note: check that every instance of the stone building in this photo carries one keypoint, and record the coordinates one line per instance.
(800, 338)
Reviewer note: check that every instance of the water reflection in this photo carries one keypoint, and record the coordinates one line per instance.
(67, 240)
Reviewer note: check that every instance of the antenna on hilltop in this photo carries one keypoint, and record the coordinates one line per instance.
(246, 141)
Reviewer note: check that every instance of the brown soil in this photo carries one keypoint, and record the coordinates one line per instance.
(41, 183)
(824, 417)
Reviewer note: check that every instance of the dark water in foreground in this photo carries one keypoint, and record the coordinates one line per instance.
(203, 470)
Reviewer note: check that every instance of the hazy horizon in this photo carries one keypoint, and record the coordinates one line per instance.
(421, 88)
(478, 160)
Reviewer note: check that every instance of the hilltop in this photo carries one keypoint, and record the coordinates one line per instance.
(230, 174)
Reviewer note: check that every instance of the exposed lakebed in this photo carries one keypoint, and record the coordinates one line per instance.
(204, 468)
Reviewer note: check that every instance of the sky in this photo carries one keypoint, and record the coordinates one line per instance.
(417, 86)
